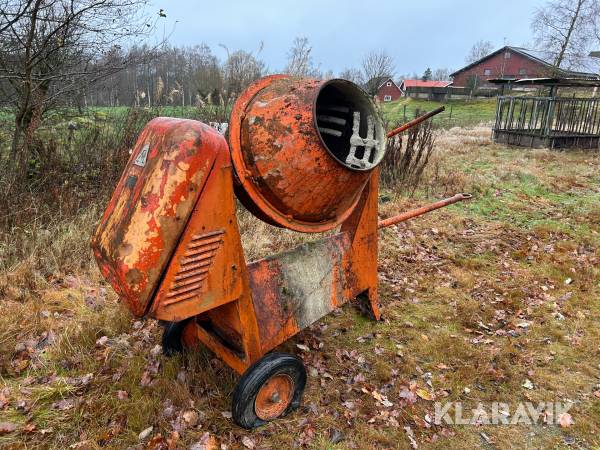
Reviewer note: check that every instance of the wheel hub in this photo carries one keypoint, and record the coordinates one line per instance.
(274, 397)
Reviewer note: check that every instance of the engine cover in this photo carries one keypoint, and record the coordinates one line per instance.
(151, 206)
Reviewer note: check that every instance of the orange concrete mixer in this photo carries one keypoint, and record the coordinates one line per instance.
(302, 154)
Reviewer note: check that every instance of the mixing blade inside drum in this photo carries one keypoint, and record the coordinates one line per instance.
(349, 126)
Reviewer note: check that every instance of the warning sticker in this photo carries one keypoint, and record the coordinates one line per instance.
(141, 158)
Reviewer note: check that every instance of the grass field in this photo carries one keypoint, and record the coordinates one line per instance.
(497, 299)
(458, 113)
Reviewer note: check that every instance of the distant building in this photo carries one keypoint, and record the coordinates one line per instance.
(387, 89)
(408, 84)
(431, 89)
(508, 63)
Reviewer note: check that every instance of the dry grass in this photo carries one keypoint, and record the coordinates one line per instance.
(455, 286)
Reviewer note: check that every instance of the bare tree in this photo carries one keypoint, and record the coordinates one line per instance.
(240, 69)
(352, 74)
(566, 30)
(52, 50)
(300, 62)
(10, 14)
(441, 74)
(375, 66)
(480, 49)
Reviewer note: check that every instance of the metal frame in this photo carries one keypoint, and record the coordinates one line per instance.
(554, 122)
(272, 299)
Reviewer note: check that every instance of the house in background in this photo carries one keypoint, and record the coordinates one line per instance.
(508, 63)
(430, 89)
(410, 84)
(387, 89)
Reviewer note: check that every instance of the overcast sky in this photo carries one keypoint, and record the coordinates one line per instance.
(417, 34)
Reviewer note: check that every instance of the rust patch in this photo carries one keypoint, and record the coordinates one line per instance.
(151, 206)
(294, 289)
(288, 175)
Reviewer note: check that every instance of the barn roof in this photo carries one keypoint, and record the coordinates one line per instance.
(536, 56)
(378, 81)
(427, 84)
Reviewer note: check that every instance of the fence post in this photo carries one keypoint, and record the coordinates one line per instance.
(549, 117)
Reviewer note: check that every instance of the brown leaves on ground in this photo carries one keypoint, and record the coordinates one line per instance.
(476, 300)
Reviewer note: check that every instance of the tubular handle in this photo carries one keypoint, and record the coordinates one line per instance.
(415, 121)
(423, 210)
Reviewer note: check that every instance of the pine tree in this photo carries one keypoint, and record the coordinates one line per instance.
(427, 75)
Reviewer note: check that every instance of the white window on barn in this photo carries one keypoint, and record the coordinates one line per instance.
(387, 98)
(487, 71)
(506, 55)
(522, 72)
(389, 83)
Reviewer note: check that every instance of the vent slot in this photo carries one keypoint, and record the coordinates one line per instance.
(191, 277)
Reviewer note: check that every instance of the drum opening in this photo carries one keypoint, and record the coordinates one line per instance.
(349, 125)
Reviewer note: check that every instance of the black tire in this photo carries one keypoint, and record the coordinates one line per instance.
(172, 343)
(246, 391)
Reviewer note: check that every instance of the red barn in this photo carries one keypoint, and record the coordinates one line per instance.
(387, 89)
(507, 62)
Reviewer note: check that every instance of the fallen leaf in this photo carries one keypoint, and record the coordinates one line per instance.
(421, 423)
(83, 444)
(336, 436)
(145, 433)
(565, 420)
(190, 417)
(597, 393)
(206, 442)
(248, 443)
(408, 395)
(84, 380)
(173, 439)
(146, 379)
(3, 399)
(63, 405)
(528, 384)
(424, 394)
(303, 347)
(122, 395)
(7, 427)
(485, 437)
(157, 442)
(411, 437)
(382, 399)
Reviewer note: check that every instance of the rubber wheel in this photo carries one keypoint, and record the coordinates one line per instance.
(171, 338)
(271, 388)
